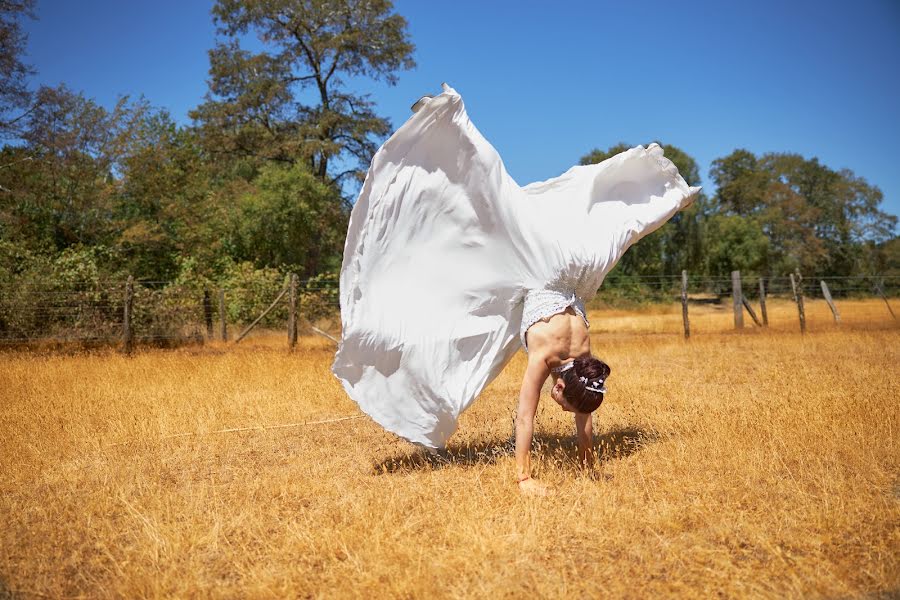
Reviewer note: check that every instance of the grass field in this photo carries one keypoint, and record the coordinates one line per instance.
(753, 464)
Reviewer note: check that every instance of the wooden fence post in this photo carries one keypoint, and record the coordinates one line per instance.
(762, 302)
(880, 290)
(737, 295)
(207, 314)
(827, 293)
(798, 298)
(222, 315)
(750, 310)
(260, 317)
(325, 334)
(292, 313)
(127, 331)
(800, 303)
(684, 306)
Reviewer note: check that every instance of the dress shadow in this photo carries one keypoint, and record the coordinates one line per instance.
(612, 445)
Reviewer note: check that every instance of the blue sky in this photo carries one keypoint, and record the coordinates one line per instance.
(547, 82)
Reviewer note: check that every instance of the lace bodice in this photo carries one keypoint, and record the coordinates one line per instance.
(540, 304)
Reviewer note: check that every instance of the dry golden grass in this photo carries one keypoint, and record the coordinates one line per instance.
(762, 464)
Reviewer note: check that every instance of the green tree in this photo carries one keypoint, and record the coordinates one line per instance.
(882, 259)
(61, 197)
(736, 243)
(292, 100)
(816, 218)
(15, 97)
(63, 178)
(169, 200)
(741, 183)
(289, 220)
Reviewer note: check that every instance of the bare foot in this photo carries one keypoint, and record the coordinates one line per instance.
(533, 487)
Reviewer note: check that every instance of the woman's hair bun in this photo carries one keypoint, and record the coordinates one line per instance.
(587, 375)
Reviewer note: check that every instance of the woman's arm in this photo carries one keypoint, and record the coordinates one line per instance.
(584, 436)
(535, 375)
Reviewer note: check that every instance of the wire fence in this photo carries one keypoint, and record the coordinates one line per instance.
(670, 285)
(167, 313)
(162, 313)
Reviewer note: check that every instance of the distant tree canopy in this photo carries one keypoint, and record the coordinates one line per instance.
(288, 217)
(15, 97)
(769, 215)
(815, 218)
(59, 184)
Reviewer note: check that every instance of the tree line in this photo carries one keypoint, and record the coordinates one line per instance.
(259, 180)
(769, 215)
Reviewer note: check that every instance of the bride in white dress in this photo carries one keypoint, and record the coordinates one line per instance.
(449, 265)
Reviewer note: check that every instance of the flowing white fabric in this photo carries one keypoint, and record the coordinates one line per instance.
(443, 246)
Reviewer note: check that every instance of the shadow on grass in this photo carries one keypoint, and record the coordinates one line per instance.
(613, 445)
(8, 594)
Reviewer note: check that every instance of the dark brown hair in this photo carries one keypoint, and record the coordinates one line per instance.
(587, 372)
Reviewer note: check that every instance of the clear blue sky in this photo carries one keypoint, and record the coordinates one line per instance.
(547, 82)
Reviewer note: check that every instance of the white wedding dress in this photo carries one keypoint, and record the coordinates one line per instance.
(443, 247)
